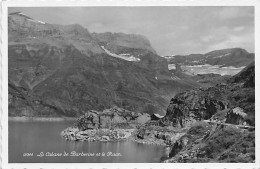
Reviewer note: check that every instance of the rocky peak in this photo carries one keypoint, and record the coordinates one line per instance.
(20, 22)
(23, 26)
(19, 14)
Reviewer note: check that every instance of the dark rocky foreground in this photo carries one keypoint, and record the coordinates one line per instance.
(201, 125)
(220, 121)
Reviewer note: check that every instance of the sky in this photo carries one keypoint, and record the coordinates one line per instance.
(172, 30)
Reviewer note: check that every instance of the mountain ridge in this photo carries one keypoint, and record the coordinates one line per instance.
(236, 57)
(66, 72)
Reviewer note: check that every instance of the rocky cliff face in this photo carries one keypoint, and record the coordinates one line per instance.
(193, 105)
(67, 70)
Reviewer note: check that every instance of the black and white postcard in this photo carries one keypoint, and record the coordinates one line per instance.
(143, 84)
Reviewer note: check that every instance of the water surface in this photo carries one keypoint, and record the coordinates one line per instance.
(44, 137)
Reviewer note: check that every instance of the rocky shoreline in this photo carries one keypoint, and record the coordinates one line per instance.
(145, 135)
(107, 135)
(74, 134)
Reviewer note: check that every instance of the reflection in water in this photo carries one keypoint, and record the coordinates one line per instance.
(37, 137)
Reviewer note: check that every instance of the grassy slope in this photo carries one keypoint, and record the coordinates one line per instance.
(208, 143)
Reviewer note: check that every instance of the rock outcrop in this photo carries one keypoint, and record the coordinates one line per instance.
(190, 106)
(107, 119)
(236, 116)
(108, 125)
(143, 119)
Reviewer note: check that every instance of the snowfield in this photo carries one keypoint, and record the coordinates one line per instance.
(216, 69)
(125, 56)
(171, 66)
(36, 21)
(223, 55)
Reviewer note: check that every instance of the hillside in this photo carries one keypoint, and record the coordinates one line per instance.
(220, 121)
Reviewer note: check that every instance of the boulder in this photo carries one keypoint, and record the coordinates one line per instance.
(236, 116)
(118, 119)
(156, 116)
(143, 119)
(105, 138)
(191, 106)
(105, 121)
(89, 120)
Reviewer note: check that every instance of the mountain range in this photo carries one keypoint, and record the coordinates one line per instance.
(64, 70)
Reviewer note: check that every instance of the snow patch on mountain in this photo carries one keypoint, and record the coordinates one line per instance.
(216, 69)
(205, 65)
(171, 66)
(26, 17)
(125, 56)
(36, 21)
(168, 58)
(41, 22)
(222, 55)
(20, 13)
